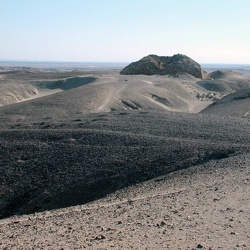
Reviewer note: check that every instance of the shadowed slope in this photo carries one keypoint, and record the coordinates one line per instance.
(206, 205)
(97, 154)
(15, 92)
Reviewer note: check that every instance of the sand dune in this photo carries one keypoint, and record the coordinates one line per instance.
(166, 176)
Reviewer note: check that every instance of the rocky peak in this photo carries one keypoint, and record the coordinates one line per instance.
(163, 65)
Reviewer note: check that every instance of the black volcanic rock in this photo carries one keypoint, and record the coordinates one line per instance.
(163, 65)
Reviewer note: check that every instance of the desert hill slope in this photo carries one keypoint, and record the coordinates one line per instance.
(236, 104)
(17, 85)
(72, 161)
(88, 93)
(225, 81)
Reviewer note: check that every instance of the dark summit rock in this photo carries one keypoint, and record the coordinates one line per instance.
(163, 65)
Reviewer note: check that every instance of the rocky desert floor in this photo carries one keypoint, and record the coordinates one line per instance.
(204, 207)
(95, 160)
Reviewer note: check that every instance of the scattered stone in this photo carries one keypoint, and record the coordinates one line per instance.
(162, 223)
(100, 237)
(199, 246)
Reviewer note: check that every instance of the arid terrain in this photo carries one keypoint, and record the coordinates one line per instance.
(99, 160)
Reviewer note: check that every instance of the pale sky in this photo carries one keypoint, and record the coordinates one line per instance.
(208, 31)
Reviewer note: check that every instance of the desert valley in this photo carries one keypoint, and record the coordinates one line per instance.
(152, 156)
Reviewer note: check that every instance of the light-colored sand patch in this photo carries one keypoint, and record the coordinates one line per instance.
(159, 103)
(147, 82)
(21, 93)
(114, 94)
(246, 114)
(196, 106)
(103, 107)
(42, 93)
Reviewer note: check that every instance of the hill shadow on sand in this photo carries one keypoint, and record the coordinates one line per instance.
(68, 83)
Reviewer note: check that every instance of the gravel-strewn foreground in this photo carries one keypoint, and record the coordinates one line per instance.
(205, 206)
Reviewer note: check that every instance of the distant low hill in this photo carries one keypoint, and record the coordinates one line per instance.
(235, 104)
(223, 73)
(163, 65)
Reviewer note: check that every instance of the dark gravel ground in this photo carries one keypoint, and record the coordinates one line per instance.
(58, 162)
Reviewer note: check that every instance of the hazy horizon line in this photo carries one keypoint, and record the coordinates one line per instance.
(118, 62)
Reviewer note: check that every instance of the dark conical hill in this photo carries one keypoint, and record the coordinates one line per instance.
(163, 65)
